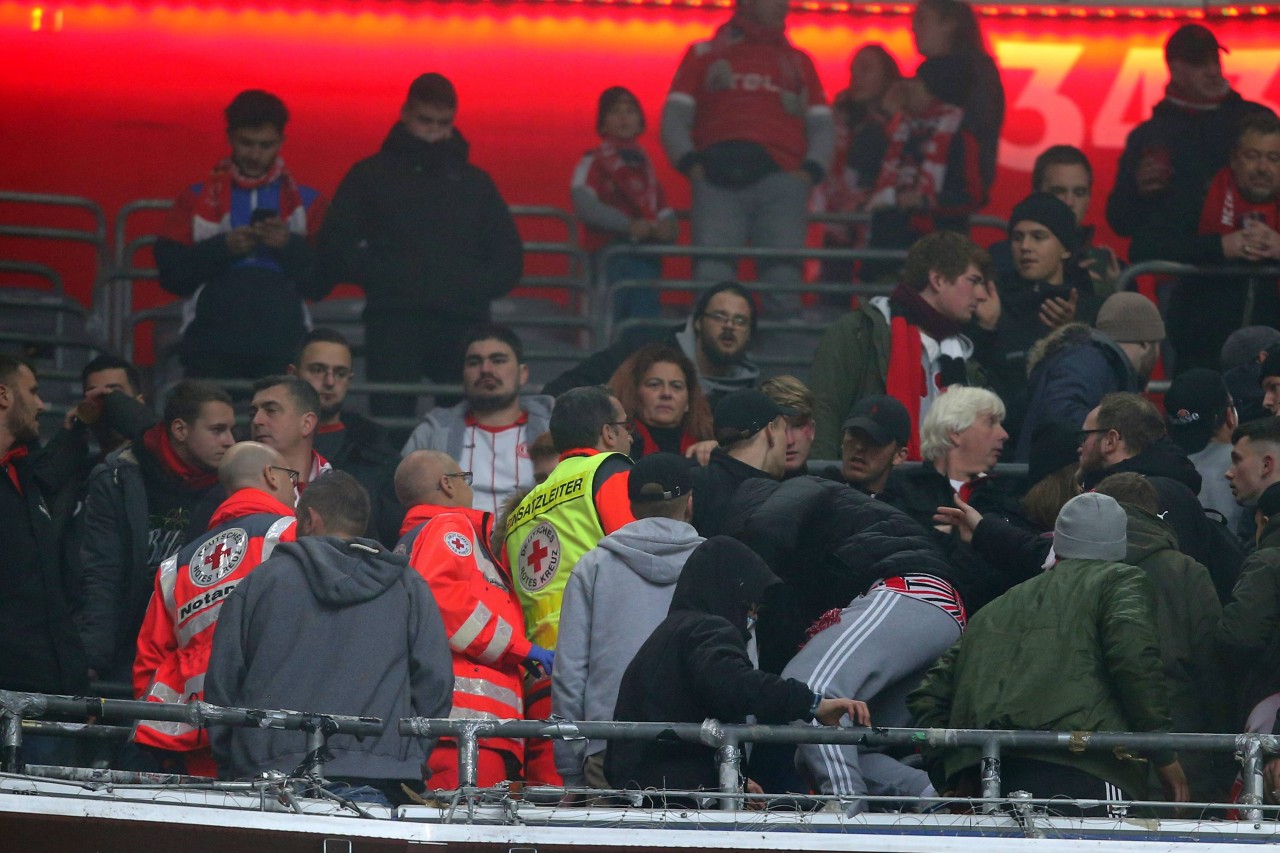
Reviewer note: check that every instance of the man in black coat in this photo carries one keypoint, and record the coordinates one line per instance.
(39, 648)
(696, 666)
(1170, 159)
(348, 440)
(428, 237)
(751, 430)
(1126, 433)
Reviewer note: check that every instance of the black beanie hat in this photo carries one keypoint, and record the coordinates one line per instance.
(1051, 212)
(611, 96)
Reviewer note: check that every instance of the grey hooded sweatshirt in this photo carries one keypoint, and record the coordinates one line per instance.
(618, 593)
(333, 626)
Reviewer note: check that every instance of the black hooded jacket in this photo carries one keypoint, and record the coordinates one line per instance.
(828, 543)
(1177, 482)
(695, 666)
(419, 227)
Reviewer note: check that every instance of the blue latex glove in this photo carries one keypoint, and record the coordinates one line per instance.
(541, 657)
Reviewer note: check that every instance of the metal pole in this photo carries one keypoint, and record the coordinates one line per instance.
(11, 751)
(730, 759)
(316, 741)
(468, 757)
(991, 774)
(1251, 775)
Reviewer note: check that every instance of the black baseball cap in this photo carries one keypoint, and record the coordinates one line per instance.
(1194, 405)
(1193, 43)
(659, 477)
(743, 413)
(882, 417)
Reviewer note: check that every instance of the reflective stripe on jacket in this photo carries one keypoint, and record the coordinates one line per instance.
(177, 632)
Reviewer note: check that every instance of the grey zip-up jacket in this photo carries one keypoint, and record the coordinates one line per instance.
(618, 593)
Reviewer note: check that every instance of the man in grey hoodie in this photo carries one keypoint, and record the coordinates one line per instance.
(332, 623)
(618, 593)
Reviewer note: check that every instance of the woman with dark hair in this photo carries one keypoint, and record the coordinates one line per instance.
(860, 119)
(949, 28)
(659, 391)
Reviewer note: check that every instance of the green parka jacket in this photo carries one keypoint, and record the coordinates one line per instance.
(1073, 649)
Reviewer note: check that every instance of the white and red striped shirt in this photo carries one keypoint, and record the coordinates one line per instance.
(498, 459)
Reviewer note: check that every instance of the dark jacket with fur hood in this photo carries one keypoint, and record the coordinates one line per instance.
(1069, 372)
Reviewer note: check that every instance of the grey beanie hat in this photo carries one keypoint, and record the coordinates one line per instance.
(1091, 527)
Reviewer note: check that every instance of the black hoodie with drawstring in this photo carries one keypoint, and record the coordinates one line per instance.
(695, 666)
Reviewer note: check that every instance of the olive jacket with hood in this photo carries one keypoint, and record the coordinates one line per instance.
(695, 666)
(1072, 649)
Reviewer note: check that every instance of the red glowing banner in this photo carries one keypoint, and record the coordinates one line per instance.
(117, 102)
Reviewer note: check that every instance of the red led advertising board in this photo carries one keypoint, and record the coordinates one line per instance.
(123, 101)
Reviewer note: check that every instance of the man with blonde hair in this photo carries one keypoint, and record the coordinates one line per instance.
(791, 393)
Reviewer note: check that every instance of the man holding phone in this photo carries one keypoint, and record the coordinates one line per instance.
(238, 247)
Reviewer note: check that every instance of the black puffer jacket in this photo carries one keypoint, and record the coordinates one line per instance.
(828, 543)
(1177, 482)
(362, 450)
(695, 666)
(420, 228)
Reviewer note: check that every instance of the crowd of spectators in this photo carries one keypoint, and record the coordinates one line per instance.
(653, 538)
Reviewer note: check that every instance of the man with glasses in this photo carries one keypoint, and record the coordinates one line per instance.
(447, 542)
(1127, 433)
(190, 588)
(715, 338)
(491, 429)
(350, 441)
(563, 518)
(284, 414)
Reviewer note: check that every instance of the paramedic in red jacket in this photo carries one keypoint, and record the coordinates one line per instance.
(177, 632)
(447, 542)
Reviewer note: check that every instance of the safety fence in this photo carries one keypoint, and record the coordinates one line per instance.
(22, 714)
(727, 741)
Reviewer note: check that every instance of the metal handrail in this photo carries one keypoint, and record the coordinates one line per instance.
(16, 707)
(726, 740)
(1128, 276)
(40, 271)
(547, 211)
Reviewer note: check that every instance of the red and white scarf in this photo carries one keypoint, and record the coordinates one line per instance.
(633, 185)
(917, 155)
(213, 206)
(1225, 208)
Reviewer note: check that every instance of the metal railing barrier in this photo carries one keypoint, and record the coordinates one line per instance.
(17, 708)
(727, 739)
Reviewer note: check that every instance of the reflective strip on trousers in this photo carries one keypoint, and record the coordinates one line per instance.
(483, 689)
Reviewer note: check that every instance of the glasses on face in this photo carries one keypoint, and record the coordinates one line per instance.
(293, 475)
(725, 319)
(1083, 435)
(466, 476)
(626, 426)
(319, 371)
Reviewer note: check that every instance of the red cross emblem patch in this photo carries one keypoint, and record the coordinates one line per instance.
(539, 557)
(458, 543)
(218, 556)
